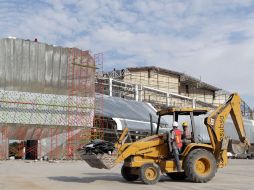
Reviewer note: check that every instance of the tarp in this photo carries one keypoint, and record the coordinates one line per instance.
(115, 107)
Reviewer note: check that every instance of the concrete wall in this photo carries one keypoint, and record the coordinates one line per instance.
(220, 98)
(169, 83)
(165, 82)
(204, 95)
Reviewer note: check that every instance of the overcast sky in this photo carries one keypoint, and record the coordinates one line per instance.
(208, 39)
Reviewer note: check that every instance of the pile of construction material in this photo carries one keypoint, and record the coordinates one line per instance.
(98, 146)
(98, 154)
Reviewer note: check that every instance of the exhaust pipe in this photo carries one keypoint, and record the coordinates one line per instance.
(151, 123)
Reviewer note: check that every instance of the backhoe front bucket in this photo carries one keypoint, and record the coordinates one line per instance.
(103, 160)
(100, 161)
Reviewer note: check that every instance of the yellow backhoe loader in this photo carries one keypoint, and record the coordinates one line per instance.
(147, 158)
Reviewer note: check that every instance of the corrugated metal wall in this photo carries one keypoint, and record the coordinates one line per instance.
(34, 67)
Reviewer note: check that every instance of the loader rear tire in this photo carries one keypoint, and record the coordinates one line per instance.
(178, 176)
(127, 175)
(150, 173)
(200, 166)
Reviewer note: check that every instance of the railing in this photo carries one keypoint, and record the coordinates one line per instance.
(160, 98)
(136, 92)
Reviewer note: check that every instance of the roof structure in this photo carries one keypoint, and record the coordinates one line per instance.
(182, 111)
(184, 78)
(159, 69)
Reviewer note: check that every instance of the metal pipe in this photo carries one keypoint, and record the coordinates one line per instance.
(151, 123)
(158, 125)
(110, 86)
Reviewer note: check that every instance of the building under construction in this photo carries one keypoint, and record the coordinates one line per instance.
(47, 96)
(162, 87)
(55, 99)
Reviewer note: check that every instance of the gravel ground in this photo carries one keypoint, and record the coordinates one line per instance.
(75, 175)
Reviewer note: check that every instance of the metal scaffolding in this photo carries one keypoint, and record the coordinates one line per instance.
(53, 126)
(162, 91)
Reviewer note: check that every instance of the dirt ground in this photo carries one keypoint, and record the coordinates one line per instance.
(75, 175)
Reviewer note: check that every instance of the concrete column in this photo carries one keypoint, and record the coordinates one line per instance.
(7, 148)
(193, 103)
(4, 146)
(136, 93)
(110, 86)
(167, 99)
(141, 93)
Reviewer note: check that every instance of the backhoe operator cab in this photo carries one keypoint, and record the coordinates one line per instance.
(177, 113)
(206, 164)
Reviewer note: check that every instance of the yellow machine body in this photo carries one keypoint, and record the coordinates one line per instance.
(154, 150)
(145, 159)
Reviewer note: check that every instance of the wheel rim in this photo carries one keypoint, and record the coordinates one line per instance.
(203, 166)
(151, 173)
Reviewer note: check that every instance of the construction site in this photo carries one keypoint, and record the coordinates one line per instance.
(56, 100)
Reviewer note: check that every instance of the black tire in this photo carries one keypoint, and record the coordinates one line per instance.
(200, 166)
(150, 173)
(178, 176)
(127, 175)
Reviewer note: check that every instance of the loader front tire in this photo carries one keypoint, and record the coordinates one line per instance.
(150, 173)
(127, 175)
(200, 166)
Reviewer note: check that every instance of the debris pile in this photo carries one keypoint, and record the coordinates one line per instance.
(98, 154)
(98, 146)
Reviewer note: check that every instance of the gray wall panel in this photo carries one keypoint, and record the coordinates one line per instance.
(2, 63)
(49, 67)
(8, 67)
(41, 64)
(63, 68)
(17, 68)
(25, 66)
(33, 67)
(36, 67)
(56, 67)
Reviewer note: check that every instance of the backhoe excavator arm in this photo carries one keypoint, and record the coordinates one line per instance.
(121, 139)
(215, 126)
